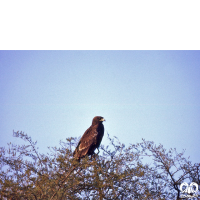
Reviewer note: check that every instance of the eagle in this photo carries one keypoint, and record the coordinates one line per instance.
(91, 139)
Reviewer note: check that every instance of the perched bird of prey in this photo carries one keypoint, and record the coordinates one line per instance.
(91, 139)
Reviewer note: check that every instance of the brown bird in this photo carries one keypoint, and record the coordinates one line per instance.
(91, 139)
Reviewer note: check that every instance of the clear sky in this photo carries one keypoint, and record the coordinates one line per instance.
(52, 95)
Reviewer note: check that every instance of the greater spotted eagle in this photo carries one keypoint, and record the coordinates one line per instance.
(91, 139)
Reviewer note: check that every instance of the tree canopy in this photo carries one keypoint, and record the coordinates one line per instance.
(140, 171)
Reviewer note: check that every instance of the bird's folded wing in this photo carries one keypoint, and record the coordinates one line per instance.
(88, 138)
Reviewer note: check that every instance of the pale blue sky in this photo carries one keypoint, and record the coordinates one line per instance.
(51, 95)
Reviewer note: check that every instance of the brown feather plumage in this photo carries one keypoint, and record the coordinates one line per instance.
(91, 139)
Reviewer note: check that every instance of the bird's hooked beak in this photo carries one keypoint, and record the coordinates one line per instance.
(101, 120)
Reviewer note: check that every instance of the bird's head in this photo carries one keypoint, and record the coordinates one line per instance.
(97, 120)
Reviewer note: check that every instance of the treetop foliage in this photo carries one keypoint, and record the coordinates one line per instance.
(140, 171)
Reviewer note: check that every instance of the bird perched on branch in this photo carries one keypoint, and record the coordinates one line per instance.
(91, 139)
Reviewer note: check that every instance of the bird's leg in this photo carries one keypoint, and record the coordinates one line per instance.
(98, 151)
(93, 155)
